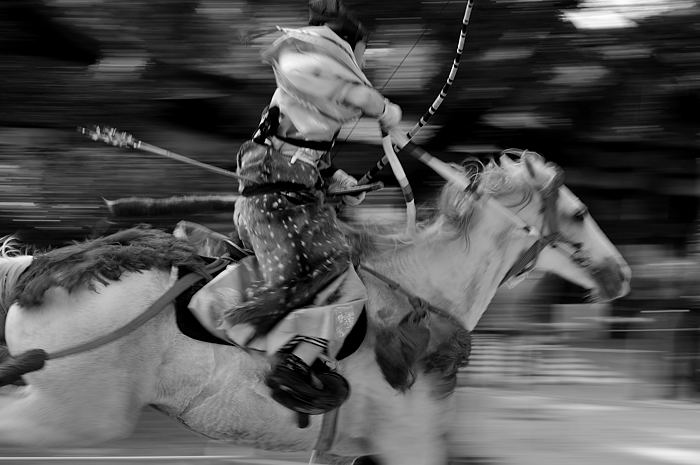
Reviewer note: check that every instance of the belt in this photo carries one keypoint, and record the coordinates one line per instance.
(275, 187)
(320, 145)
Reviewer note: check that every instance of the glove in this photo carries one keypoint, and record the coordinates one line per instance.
(390, 117)
(342, 180)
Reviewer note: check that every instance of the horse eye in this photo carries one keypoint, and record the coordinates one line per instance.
(580, 215)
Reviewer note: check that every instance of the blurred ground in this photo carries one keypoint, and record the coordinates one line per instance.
(506, 423)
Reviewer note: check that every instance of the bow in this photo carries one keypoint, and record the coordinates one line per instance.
(390, 149)
(381, 164)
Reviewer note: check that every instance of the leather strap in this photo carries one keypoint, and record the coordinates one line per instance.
(326, 436)
(320, 145)
(154, 309)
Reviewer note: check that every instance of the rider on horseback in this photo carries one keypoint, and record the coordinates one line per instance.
(282, 217)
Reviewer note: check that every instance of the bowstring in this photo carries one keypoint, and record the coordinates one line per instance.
(396, 69)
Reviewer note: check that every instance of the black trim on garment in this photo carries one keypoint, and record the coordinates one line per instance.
(274, 187)
(269, 127)
(322, 145)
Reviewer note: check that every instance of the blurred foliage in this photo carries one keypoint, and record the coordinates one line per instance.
(617, 107)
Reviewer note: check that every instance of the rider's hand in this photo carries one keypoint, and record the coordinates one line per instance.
(342, 180)
(390, 117)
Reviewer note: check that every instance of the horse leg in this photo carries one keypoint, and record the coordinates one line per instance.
(401, 447)
(411, 428)
(32, 417)
(89, 397)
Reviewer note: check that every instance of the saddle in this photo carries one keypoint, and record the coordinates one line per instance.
(333, 314)
(190, 326)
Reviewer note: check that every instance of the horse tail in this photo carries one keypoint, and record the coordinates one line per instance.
(12, 265)
(9, 246)
(12, 368)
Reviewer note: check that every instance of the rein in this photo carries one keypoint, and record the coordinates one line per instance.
(154, 309)
(526, 262)
(420, 305)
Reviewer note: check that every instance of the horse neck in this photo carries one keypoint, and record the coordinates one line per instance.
(453, 272)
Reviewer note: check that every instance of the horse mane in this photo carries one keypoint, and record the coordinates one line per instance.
(102, 261)
(10, 246)
(450, 212)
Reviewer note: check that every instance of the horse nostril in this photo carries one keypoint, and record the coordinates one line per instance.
(625, 273)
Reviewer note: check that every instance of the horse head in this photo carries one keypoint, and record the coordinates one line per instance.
(570, 242)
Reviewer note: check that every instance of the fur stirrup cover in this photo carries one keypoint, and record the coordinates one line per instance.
(398, 350)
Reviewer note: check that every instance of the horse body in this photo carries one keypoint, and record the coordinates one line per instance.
(218, 390)
(97, 396)
(375, 417)
(215, 390)
(456, 263)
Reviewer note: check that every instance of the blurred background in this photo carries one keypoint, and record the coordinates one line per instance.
(608, 89)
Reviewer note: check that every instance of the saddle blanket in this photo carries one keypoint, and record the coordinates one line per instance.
(331, 316)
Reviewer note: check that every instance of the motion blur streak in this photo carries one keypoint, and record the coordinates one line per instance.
(608, 90)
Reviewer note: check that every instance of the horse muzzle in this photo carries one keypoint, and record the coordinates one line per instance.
(612, 277)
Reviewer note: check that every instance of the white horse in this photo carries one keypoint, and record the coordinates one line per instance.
(455, 262)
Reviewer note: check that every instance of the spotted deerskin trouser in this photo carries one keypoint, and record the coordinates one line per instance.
(296, 239)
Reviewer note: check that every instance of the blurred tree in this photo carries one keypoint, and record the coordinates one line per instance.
(616, 106)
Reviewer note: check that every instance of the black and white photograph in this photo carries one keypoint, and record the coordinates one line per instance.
(350, 232)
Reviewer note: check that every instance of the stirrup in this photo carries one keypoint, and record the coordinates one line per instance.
(295, 386)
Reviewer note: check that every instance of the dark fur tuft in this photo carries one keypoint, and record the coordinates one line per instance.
(102, 261)
(448, 357)
(398, 350)
(177, 205)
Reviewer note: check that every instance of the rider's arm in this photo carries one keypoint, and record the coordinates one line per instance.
(373, 104)
(309, 74)
(366, 98)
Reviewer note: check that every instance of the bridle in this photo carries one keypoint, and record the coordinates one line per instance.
(549, 234)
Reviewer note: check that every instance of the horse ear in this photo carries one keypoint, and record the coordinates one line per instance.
(558, 178)
(505, 161)
(530, 164)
